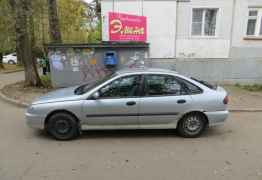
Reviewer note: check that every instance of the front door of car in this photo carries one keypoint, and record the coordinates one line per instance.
(117, 104)
(163, 101)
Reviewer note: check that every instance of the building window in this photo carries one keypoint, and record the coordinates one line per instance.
(254, 24)
(204, 22)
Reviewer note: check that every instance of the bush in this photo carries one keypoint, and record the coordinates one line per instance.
(46, 80)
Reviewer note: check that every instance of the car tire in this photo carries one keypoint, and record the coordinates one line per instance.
(11, 62)
(192, 125)
(63, 126)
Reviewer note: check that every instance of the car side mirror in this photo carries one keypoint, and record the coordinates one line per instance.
(96, 95)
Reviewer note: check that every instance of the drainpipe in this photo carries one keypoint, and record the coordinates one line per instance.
(232, 27)
(142, 7)
(113, 6)
(176, 24)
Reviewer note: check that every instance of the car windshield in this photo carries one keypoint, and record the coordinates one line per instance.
(82, 89)
(207, 84)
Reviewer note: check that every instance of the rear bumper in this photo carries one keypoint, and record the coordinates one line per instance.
(217, 117)
(35, 121)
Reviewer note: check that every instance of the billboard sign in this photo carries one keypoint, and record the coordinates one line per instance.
(126, 27)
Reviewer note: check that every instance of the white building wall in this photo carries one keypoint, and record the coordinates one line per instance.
(164, 21)
(242, 48)
(189, 46)
(124, 6)
(161, 22)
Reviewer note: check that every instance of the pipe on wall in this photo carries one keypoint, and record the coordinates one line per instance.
(232, 27)
(176, 23)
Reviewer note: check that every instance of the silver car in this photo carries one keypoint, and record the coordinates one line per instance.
(131, 99)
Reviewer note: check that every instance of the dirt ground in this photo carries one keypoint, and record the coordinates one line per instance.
(23, 94)
(240, 98)
(232, 151)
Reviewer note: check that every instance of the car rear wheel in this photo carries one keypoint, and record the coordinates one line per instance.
(192, 125)
(63, 126)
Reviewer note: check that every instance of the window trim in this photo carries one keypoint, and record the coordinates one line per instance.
(143, 93)
(139, 88)
(188, 90)
(203, 36)
(258, 25)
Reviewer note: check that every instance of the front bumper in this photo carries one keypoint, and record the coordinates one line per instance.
(217, 117)
(35, 121)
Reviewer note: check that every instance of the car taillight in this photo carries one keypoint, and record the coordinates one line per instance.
(226, 100)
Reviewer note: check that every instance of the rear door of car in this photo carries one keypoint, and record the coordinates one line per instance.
(163, 100)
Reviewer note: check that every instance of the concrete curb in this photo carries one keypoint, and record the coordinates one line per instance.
(12, 71)
(245, 110)
(12, 101)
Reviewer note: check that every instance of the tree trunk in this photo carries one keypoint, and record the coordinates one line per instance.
(43, 25)
(54, 30)
(33, 42)
(12, 4)
(24, 43)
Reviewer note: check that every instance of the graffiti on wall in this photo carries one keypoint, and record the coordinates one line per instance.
(90, 67)
(81, 61)
(136, 60)
(73, 66)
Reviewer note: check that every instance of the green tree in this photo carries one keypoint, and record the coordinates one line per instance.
(54, 28)
(23, 17)
(73, 22)
(93, 15)
(7, 33)
(25, 25)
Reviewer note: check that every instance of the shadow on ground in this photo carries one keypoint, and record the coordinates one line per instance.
(128, 134)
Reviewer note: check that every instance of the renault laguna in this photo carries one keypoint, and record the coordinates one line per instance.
(131, 99)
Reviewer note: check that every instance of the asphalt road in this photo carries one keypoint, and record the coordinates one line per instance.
(233, 151)
(11, 78)
(230, 152)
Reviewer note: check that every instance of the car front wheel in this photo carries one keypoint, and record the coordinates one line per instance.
(63, 126)
(192, 125)
(11, 62)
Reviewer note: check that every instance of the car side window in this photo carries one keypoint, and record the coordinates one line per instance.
(163, 85)
(122, 87)
(192, 89)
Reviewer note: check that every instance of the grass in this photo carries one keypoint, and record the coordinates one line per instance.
(254, 87)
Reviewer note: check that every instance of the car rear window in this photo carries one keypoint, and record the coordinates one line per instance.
(207, 84)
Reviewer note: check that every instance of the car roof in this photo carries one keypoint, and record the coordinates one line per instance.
(144, 70)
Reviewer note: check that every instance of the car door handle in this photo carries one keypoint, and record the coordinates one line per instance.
(131, 103)
(181, 101)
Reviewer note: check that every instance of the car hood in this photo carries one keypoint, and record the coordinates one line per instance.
(65, 94)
